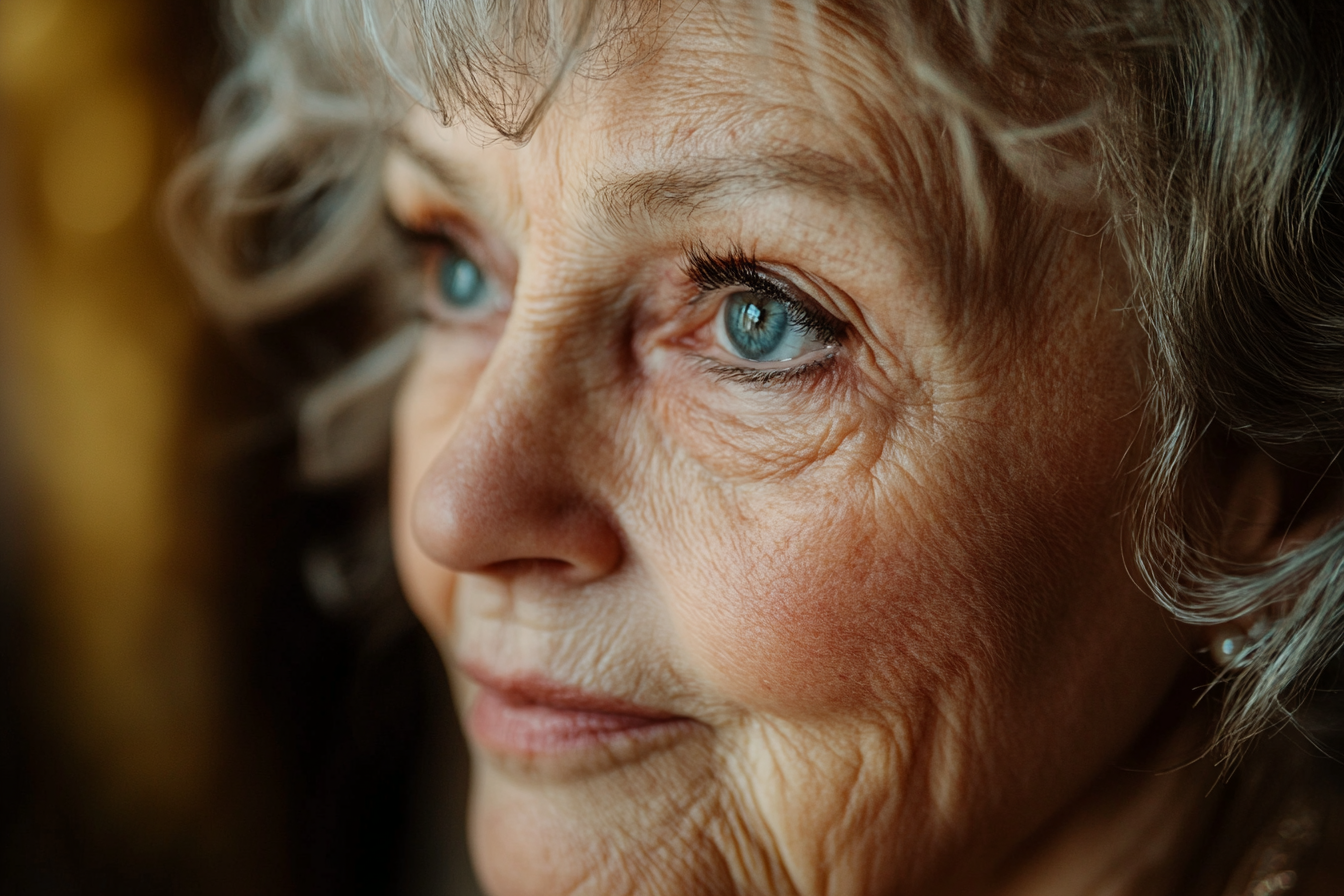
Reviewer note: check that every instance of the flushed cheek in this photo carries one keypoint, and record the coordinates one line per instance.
(829, 618)
(836, 597)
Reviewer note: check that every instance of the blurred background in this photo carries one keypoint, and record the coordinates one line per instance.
(178, 712)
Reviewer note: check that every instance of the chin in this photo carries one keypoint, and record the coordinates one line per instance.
(620, 829)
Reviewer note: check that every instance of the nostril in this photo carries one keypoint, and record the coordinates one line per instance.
(526, 567)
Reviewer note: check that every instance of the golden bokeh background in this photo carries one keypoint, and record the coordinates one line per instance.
(127, 726)
(102, 333)
(132, 767)
(177, 713)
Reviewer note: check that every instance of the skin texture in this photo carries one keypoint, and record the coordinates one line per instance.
(889, 592)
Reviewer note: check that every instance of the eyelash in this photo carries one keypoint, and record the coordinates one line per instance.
(772, 377)
(714, 272)
(419, 238)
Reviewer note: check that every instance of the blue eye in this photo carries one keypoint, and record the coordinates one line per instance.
(756, 326)
(462, 286)
(761, 320)
(761, 328)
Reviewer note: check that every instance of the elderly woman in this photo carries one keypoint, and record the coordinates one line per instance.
(845, 448)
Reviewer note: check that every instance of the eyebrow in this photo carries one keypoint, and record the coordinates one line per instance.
(693, 184)
(435, 167)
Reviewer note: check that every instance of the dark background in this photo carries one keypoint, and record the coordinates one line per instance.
(178, 713)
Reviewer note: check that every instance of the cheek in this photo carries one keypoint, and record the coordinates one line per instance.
(886, 585)
(827, 614)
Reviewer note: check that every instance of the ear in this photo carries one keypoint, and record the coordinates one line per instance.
(1273, 508)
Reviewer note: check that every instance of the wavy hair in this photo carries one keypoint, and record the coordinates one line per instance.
(1207, 132)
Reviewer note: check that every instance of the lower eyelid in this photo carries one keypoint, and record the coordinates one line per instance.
(769, 376)
(817, 358)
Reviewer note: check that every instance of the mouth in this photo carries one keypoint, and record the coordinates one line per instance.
(529, 716)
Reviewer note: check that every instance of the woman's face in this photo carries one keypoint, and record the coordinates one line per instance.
(770, 550)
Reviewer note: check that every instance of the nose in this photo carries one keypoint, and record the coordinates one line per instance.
(514, 490)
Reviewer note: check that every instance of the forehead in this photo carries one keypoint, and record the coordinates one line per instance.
(712, 105)
(749, 70)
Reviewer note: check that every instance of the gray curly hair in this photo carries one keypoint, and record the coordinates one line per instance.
(1207, 131)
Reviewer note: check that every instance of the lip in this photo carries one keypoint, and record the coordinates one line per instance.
(531, 716)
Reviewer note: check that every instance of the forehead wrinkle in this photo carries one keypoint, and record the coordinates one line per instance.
(689, 186)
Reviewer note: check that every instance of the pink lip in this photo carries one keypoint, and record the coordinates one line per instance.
(529, 716)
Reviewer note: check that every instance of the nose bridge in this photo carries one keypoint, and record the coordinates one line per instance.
(517, 478)
(539, 380)
(527, 410)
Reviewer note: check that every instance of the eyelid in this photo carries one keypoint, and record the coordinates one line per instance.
(446, 225)
(720, 276)
(801, 312)
(430, 242)
(717, 274)
(432, 230)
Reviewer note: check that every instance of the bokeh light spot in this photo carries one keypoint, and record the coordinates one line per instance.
(26, 27)
(97, 161)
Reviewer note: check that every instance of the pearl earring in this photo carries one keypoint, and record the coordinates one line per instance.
(1228, 642)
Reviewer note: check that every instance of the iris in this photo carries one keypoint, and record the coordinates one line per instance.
(461, 283)
(757, 326)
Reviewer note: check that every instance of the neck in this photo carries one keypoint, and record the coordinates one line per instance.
(1135, 831)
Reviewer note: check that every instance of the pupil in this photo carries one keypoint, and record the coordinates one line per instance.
(461, 282)
(756, 325)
